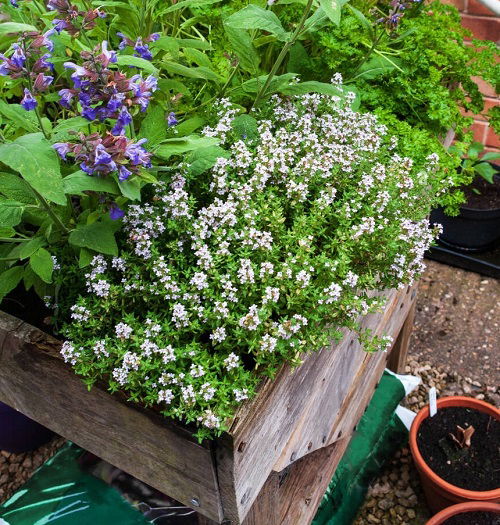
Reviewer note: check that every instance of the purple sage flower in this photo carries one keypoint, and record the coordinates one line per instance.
(42, 82)
(115, 212)
(28, 102)
(18, 58)
(66, 96)
(123, 173)
(4, 65)
(123, 120)
(171, 120)
(62, 149)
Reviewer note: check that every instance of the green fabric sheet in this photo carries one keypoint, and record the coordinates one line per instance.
(60, 493)
(378, 435)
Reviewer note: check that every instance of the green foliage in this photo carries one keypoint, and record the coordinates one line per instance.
(211, 55)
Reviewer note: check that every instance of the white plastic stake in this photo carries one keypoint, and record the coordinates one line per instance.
(432, 402)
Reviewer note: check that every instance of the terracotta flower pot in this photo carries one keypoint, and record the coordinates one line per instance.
(438, 492)
(463, 508)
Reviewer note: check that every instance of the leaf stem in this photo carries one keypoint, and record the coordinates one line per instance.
(49, 210)
(13, 239)
(283, 54)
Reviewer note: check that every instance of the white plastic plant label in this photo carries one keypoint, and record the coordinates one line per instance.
(432, 402)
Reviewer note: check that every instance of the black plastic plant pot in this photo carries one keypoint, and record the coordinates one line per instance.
(19, 433)
(472, 230)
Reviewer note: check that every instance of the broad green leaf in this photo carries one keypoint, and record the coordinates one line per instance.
(113, 3)
(192, 42)
(42, 264)
(486, 170)
(19, 117)
(316, 20)
(203, 159)
(332, 9)
(191, 72)
(154, 126)
(131, 188)
(475, 149)
(15, 188)
(255, 17)
(10, 213)
(377, 66)
(245, 127)
(253, 85)
(188, 3)
(198, 57)
(97, 236)
(299, 61)
(312, 87)
(176, 146)
(188, 126)
(15, 27)
(491, 156)
(7, 232)
(361, 18)
(61, 131)
(9, 280)
(80, 181)
(29, 277)
(242, 45)
(168, 44)
(29, 248)
(170, 84)
(130, 60)
(35, 159)
(85, 257)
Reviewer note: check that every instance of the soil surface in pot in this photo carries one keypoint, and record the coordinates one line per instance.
(474, 518)
(473, 468)
(488, 197)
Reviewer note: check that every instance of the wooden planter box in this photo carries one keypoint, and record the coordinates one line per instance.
(279, 455)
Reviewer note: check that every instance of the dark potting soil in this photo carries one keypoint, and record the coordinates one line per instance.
(488, 197)
(474, 518)
(473, 468)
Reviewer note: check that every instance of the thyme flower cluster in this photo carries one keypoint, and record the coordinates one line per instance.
(274, 252)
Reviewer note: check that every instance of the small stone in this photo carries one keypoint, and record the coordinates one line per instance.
(411, 514)
(373, 519)
(385, 504)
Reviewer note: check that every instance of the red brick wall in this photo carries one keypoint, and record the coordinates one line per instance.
(486, 26)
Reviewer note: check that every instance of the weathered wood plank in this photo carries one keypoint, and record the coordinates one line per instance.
(291, 497)
(36, 382)
(302, 410)
(399, 354)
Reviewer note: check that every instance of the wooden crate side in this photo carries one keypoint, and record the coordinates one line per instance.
(39, 384)
(291, 497)
(295, 414)
(324, 420)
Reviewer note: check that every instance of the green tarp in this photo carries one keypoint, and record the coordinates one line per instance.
(378, 435)
(60, 493)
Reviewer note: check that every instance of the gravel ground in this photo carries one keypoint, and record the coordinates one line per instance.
(458, 322)
(396, 495)
(455, 347)
(16, 469)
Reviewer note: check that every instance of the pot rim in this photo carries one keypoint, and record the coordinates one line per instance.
(463, 508)
(468, 402)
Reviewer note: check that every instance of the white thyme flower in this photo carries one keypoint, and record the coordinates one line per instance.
(123, 331)
(218, 335)
(231, 361)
